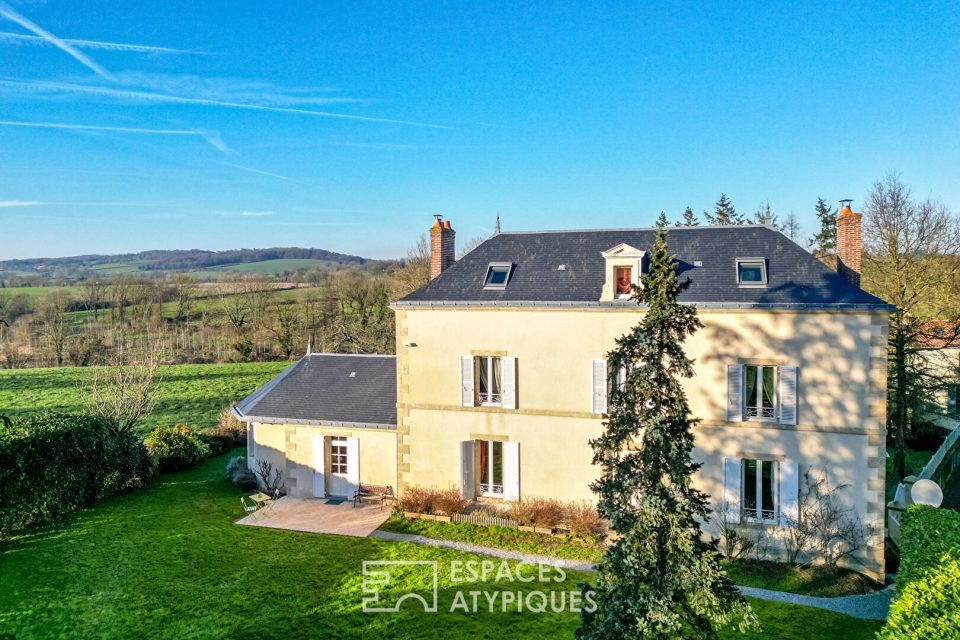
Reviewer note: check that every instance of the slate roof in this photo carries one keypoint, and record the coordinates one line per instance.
(795, 278)
(324, 388)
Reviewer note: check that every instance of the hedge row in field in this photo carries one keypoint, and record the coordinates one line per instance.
(928, 585)
(54, 464)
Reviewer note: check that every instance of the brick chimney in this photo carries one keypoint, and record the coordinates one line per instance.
(849, 247)
(442, 247)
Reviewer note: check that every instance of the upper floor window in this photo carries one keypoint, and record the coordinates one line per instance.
(751, 272)
(489, 381)
(760, 393)
(498, 274)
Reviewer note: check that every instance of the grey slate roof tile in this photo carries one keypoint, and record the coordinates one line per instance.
(324, 387)
(794, 276)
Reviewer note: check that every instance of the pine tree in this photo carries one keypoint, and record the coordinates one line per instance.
(763, 215)
(724, 212)
(689, 219)
(661, 578)
(824, 243)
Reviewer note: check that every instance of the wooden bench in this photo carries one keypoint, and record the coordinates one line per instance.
(380, 492)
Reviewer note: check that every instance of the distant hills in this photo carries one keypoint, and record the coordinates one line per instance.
(274, 260)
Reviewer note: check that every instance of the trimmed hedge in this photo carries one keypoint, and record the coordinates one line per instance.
(52, 464)
(928, 586)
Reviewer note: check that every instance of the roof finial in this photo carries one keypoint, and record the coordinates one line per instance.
(496, 228)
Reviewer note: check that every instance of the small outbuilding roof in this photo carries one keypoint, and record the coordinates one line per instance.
(328, 389)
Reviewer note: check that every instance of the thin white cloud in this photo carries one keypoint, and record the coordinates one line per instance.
(252, 214)
(211, 137)
(146, 96)
(19, 203)
(261, 172)
(6, 11)
(93, 44)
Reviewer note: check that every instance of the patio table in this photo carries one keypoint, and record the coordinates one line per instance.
(260, 499)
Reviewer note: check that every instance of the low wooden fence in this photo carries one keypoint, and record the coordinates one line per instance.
(490, 521)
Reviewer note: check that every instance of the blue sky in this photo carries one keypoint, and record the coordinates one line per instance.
(344, 126)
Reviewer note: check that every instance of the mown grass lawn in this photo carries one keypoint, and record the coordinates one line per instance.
(169, 562)
(188, 394)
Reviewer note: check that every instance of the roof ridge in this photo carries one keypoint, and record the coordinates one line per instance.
(351, 355)
(621, 229)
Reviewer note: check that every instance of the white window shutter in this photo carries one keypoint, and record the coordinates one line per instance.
(353, 464)
(508, 368)
(251, 445)
(467, 397)
(735, 393)
(511, 471)
(731, 489)
(319, 466)
(788, 395)
(467, 486)
(600, 386)
(789, 494)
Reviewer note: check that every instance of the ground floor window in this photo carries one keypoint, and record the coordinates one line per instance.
(953, 401)
(490, 466)
(759, 487)
(338, 455)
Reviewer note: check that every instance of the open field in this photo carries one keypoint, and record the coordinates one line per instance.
(168, 561)
(188, 394)
(270, 267)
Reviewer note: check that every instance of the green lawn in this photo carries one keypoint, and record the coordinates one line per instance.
(190, 393)
(169, 562)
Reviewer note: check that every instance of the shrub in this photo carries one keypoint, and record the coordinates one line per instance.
(53, 464)
(227, 423)
(927, 604)
(583, 520)
(176, 448)
(240, 474)
(449, 502)
(538, 512)
(417, 500)
(218, 442)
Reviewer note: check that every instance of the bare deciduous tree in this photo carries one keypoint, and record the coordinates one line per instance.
(911, 252)
(125, 392)
(184, 290)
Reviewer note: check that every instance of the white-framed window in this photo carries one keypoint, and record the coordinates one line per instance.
(953, 399)
(489, 381)
(338, 455)
(498, 275)
(759, 490)
(751, 272)
(490, 467)
(760, 392)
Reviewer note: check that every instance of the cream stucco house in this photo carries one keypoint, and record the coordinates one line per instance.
(501, 380)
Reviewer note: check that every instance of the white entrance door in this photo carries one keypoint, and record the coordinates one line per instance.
(343, 478)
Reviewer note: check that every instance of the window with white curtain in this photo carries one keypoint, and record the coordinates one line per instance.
(489, 381)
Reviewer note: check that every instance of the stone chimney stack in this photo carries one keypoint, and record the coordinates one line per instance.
(849, 246)
(442, 246)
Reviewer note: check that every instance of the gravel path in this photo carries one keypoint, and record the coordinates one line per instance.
(872, 606)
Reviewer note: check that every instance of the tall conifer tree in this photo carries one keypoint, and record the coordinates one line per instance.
(661, 578)
(724, 212)
(824, 242)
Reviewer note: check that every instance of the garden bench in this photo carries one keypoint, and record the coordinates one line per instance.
(381, 492)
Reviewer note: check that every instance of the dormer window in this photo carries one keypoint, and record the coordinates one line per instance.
(623, 265)
(751, 272)
(498, 274)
